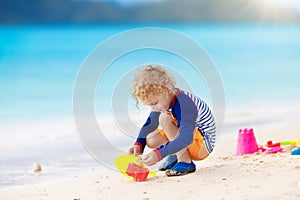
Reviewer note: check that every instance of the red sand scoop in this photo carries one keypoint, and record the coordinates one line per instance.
(137, 172)
(130, 166)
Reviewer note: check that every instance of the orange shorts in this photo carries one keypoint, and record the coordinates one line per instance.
(197, 149)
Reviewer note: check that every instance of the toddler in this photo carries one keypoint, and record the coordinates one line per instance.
(180, 125)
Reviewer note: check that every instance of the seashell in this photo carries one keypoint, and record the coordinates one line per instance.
(36, 167)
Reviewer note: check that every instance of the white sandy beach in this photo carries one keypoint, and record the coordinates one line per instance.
(258, 64)
(221, 176)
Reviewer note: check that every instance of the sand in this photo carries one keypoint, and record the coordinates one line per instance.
(221, 176)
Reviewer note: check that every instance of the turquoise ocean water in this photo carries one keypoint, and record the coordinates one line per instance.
(259, 66)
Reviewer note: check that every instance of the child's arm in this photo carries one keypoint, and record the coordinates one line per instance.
(135, 150)
(184, 138)
(150, 126)
(186, 113)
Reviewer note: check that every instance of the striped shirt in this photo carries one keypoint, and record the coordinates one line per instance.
(190, 112)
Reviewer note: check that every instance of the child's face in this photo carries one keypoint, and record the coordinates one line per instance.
(157, 103)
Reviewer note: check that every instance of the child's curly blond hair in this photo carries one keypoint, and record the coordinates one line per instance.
(154, 79)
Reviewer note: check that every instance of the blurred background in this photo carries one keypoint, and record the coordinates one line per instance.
(148, 11)
(254, 44)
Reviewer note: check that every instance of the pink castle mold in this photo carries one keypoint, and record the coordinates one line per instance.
(246, 143)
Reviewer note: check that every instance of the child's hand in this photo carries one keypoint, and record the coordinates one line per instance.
(150, 158)
(135, 150)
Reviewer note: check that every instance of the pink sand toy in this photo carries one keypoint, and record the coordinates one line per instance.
(271, 147)
(270, 150)
(246, 142)
(137, 172)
